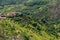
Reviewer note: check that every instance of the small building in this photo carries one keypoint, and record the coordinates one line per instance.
(2, 16)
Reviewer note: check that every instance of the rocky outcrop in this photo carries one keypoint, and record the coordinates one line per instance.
(13, 14)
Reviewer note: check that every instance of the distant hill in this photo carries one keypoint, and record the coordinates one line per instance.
(3, 2)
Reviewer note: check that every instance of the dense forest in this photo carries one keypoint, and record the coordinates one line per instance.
(29, 19)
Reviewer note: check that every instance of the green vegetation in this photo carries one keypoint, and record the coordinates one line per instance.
(29, 20)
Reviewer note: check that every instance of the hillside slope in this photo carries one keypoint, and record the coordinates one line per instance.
(30, 20)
